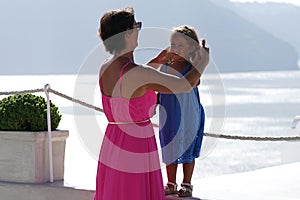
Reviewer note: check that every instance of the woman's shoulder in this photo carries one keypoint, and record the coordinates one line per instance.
(104, 65)
(114, 64)
(141, 68)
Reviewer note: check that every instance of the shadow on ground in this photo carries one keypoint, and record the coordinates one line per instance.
(174, 196)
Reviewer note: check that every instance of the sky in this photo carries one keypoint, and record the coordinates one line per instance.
(294, 2)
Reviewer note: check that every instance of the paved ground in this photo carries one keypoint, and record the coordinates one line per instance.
(273, 183)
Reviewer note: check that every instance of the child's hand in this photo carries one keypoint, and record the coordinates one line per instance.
(201, 58)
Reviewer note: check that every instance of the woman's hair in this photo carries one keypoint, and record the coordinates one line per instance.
(113, 25)
(188, 33)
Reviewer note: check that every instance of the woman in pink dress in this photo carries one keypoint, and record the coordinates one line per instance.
(128, 166)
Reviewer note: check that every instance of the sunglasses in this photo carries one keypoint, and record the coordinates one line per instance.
(138, 26)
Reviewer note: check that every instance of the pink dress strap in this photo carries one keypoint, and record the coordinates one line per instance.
(121, 75)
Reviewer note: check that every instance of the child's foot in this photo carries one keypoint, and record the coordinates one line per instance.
(171, 188)
(186, 190)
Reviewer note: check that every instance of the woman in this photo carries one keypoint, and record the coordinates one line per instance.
(128, 166)
(181, 116)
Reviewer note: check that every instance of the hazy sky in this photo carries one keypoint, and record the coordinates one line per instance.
(294, 2)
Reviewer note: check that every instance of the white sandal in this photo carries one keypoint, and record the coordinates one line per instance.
(168, 190)
(186, 190)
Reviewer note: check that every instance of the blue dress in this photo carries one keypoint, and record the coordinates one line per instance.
(181, 125)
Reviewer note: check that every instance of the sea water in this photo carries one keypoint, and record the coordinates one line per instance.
(243, 104)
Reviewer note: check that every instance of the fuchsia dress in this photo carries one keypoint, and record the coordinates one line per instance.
(128, 166)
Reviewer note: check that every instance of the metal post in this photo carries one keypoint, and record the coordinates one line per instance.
(295, 121)
(46, 90)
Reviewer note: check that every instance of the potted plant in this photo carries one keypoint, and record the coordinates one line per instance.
(24, 155)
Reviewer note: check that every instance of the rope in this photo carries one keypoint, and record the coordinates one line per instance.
(54, 92)
(252, 138)
(213, 135)
(21, 92)
(76, 100)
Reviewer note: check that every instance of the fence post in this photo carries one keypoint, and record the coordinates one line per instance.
(46, 90)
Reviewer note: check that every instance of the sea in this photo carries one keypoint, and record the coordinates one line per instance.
(260, 104)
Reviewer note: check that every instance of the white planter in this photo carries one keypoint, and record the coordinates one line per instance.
(24, 156)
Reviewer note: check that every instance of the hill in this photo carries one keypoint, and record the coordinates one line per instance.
(280, 20)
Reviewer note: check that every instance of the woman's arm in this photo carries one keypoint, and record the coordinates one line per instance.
(146, 77)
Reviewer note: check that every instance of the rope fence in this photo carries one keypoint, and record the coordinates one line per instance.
(252, 138)
(76, 100)
(22, 92)
(221, 136)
